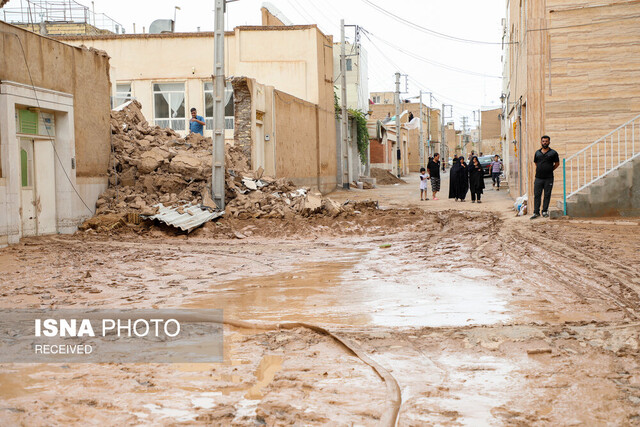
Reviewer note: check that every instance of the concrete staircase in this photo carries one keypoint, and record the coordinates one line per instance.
(603, 179)
(615, 194)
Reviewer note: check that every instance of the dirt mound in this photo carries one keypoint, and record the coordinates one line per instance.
(151, 165)
(384, 177)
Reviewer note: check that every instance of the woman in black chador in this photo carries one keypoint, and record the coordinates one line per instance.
(458, 180)
(476, 179)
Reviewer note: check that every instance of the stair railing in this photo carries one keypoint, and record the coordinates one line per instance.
(600, 158)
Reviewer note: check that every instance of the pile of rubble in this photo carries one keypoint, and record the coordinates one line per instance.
(152, 167)
(385, 177)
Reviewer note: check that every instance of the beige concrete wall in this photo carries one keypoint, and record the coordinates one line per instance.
(305, 142)
(284, 57)
(517, 94)
(451, 136)
(385, 97)
(592, 87)
(491, 125)
(73, 84)
(413, 150)
(491, 147)
(63, 68)
(577, 80)
(293, 59)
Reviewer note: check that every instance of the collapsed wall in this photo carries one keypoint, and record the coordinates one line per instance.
(150, 166)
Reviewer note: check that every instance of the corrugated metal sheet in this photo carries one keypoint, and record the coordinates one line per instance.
(192, 218)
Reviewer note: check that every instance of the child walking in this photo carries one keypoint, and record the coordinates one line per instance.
(496, 170)
(423, 184)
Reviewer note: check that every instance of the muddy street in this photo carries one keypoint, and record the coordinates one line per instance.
(420, 313)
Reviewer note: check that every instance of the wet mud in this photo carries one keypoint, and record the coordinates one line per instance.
(478, 317)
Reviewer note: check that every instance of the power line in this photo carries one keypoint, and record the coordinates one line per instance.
(437, 95)
(435, 63)
(425, 29)
(35, 94)
(304, 16)
(319, 10)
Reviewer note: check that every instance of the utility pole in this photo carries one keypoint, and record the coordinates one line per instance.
(217, 171)
(421, 144)
(479, 131)
(465, 136)
(344, 126)
(443, 144)
(398, 136)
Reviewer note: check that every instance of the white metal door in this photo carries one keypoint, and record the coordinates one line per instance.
(45, 186)
(27, 204)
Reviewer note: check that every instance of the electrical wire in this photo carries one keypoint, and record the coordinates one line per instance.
(35, 94)
(319, 10)
(425, 29)
(439, 97)
(429, 61)
(304, 16)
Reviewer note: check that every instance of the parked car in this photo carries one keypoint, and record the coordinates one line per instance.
(485, 162)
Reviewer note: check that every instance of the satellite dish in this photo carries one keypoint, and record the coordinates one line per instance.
(160, 26)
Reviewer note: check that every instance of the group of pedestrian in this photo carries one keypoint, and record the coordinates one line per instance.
(433, 168)
(466, 178)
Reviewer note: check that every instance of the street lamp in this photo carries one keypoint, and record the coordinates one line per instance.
(175, 11)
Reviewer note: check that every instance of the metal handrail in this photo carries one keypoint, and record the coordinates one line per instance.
(600, 158)
(600, 139)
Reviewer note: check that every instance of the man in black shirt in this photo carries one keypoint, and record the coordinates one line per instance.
(434, 174)
(546, 160)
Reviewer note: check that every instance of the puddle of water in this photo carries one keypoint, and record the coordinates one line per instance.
(288, 296)
(374, 288)
(181, 415)
(484, 384)
(471, 388)
(444, 299)
(205, 400)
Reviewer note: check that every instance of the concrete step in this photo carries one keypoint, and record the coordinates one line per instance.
(555, 213)
(611, 195)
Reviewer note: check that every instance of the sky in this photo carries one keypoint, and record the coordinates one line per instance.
(475, 20)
